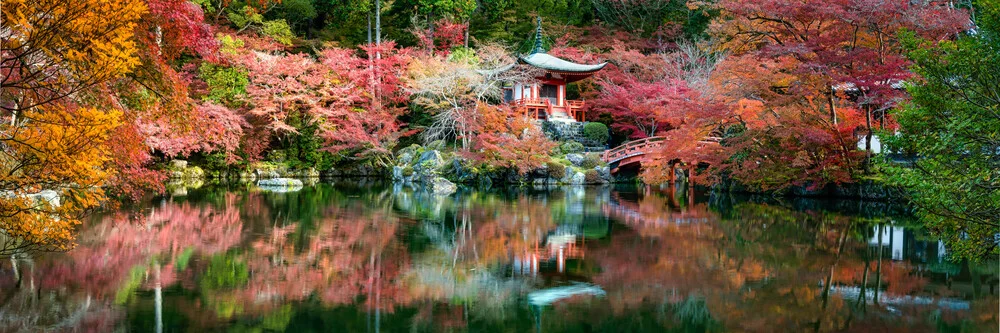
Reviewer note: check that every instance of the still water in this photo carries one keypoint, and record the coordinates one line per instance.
(357, 256)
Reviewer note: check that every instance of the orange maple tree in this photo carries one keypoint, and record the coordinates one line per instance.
(54, 158)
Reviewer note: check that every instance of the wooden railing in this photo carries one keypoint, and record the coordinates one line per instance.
(536, 106)
(533, 107)
(632, 148)
(644, 146)
(529, 102)
(575, 110)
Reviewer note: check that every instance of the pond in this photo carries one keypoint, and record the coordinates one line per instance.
(365, 256)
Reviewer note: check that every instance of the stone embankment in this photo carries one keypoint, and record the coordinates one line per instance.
(437, 171)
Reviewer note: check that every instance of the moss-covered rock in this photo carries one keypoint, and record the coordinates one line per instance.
(591, 161)
(555, 170)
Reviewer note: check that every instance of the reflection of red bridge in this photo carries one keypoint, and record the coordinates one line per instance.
(636, 151)
(632, 214)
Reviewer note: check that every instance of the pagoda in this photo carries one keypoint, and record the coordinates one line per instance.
(545, 98)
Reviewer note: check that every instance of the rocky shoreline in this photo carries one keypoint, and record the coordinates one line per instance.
(434, 169)
(439, 171)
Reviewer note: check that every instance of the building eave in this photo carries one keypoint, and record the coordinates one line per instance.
(554, 64)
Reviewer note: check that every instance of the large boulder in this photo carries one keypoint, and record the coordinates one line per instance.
(427, 165)
(576, 159)
(397, 173)
(280, 182)
(605, 173)
(573, 177)
(441, 186)
(405, 156)
(49, 196)
(430, 159)
(280, 185)
(178, 164)
(462, 172)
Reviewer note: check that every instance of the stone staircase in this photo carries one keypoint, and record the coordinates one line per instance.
(565, 130)
(561, 117)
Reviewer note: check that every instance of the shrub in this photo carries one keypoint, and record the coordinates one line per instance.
(591, 177)
(226, 85)
(590, 161)
(597, 132)
(407, 171)
(556, 170)
(276, 156)
(571, 147)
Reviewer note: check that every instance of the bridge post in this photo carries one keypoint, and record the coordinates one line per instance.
(673, 174)
(691, 171)
(690, 193)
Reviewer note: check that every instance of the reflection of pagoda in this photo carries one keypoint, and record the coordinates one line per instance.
(546, 98)
(558, 246)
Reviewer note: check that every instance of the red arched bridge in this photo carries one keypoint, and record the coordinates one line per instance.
(637, 151)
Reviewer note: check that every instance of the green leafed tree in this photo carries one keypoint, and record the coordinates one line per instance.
(952, 127)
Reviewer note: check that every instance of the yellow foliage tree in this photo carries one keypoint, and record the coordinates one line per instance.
(53, 49)
(52, 170)
(54, 157)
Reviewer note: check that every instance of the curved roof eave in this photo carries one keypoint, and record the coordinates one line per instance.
(549, 62)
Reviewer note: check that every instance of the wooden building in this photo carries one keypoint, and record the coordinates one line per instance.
(545, 98)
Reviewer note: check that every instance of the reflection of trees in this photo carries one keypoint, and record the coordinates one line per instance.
(116, 255)
(472, 244)
(757, 266)
(364, 257)
(806, 253)
(350, 253)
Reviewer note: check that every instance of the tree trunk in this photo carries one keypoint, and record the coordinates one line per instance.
(158, 300)
(13, 114)
(881, 126)
(378, 24)
(468, 25)
(868, 138)
(833, 105)
(369, 28)
(862, 298)
(17, 274)
(829, 278)
(878, 267)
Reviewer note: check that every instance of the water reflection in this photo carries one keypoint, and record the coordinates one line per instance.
(366, 257)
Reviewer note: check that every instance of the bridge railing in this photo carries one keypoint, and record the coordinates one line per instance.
(644, 146)
(632, 148)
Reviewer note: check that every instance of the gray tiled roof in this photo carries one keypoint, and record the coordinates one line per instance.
(548, 62)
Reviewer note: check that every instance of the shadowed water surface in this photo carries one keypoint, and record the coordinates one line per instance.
(368, 257)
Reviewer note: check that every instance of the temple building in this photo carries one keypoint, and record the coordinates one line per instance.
(545, 98)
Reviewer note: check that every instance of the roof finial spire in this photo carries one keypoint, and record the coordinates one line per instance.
(538, 37)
